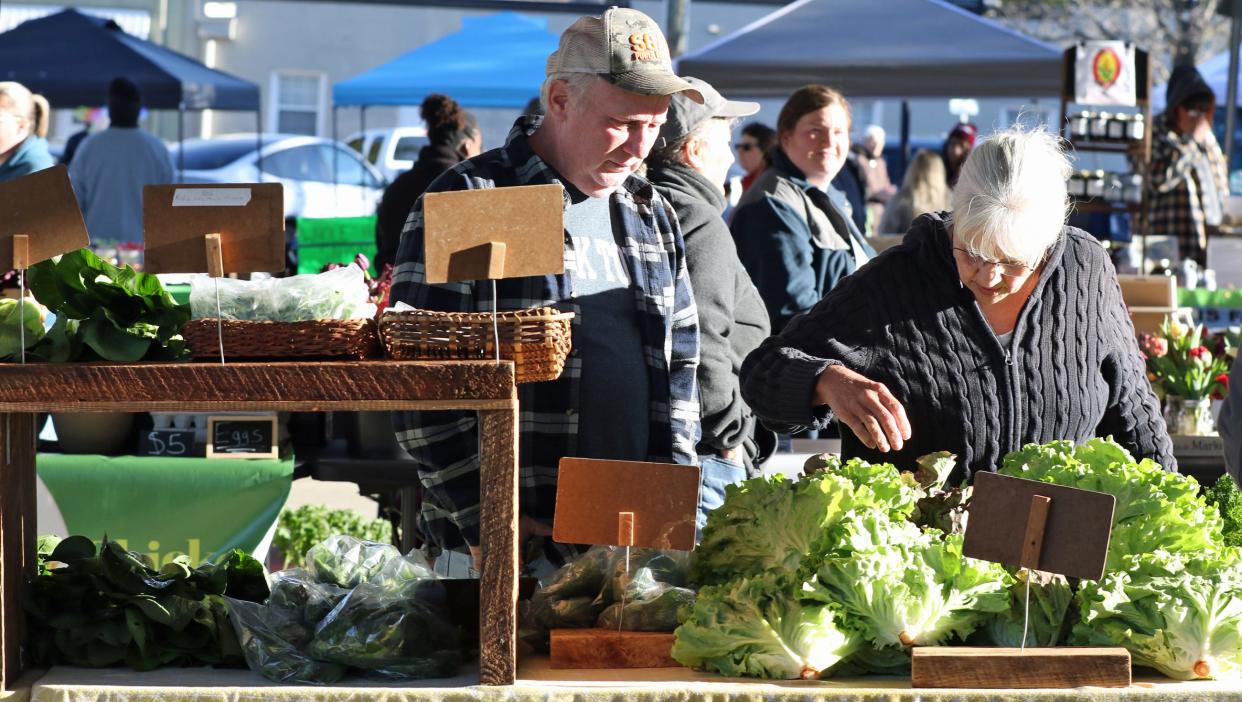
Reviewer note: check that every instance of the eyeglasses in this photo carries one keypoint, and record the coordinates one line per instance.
(746, 146)
(1010, 269)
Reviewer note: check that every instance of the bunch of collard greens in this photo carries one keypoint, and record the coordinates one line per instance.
(104, 312)
(107, 606)
(841, 571)
(358, 605)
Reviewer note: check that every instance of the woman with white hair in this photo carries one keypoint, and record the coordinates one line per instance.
(985, 330)
(23, 132)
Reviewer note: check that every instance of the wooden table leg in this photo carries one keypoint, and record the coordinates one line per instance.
(17, 535)
(498, 477)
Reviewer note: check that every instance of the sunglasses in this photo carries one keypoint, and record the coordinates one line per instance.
(1007, 268)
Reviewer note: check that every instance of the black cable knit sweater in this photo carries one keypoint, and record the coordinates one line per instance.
(1073, 370)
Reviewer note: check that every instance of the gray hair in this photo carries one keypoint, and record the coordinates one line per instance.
(578, 83)
(1011, 200)
(874, 131)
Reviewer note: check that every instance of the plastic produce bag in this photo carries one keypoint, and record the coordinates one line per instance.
(390, 631)
(271, 639)
(649, 605)
(347, 561)
(337, 294)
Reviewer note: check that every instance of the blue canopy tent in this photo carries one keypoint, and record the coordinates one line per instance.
(506, 73)
(70, 58)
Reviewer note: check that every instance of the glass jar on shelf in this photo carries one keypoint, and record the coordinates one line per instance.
(1113, 188)
(1133, 189)
(1099, 125)
(1119, 127)
(1080, 125)
(1137, 127)
(1095, 184)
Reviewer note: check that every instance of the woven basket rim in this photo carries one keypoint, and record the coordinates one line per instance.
(526, 314)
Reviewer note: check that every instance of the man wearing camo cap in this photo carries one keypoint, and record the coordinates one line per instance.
(628, 391)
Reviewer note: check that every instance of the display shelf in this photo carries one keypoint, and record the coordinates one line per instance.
(1105, 146)
(483, 386)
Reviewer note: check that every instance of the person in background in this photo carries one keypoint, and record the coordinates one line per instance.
(791, 228)
(1187, 178)
(924, 189)
(534, 107)
(453, 135)
(878, 186)
(850, 183)
(23, 132)
(956, 149)
(986, 329)
(688, 167)
(111, 168)
(752, 148)
(629, 389)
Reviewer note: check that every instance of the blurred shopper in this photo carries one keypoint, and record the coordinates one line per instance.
(923, 190)
(454, 136)
(850, 182)
(957, 148)
(1188, 180)
(23, 132)
(689, 167)
(874, 169)
(628, 391)
(752, 148)
(111, 168)
(791, 229)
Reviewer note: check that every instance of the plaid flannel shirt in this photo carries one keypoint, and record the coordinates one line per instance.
(1176, 208)
(444, 444)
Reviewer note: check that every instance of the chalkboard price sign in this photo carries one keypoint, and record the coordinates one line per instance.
(242, 437)
(167, 442)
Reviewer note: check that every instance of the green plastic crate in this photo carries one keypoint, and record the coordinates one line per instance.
(334, 240)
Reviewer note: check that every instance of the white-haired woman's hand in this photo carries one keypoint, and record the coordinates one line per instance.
(865, 406)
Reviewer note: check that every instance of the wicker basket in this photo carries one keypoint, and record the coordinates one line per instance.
(328, 338)
(536, 340)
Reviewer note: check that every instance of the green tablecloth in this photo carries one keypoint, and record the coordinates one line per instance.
(165, 506)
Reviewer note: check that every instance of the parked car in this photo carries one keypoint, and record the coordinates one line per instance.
(305, 165)
(392, 150)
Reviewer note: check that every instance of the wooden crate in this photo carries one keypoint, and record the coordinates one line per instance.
(1148, 290)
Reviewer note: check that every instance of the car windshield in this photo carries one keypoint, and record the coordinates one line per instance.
(211, 154)
(408, 147)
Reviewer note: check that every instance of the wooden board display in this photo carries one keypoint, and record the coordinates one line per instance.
(249, 217)
(656, 501)
(461, 228)
(1013, 668)
(605, 648)
(1148, 290)
(1074, 533)
(42, 207)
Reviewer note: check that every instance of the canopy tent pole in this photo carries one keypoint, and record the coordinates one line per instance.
(258, 145)
(335, 165)
(1231, 101)
(905, 135)
(363, 129)
(181, 143)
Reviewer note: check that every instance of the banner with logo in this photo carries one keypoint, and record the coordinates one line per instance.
(1104, 73)
(168, 506)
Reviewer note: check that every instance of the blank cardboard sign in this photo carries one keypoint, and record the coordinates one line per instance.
(249, 217)
(1075, 534)
(595, 497)
(42, 207)
(458, 227)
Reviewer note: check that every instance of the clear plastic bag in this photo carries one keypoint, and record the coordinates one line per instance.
(649, 605)
(272, 639)
(346, 561)
(337, 294)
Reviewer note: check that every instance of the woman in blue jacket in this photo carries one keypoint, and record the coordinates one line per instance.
(793, 230)
(23, 132)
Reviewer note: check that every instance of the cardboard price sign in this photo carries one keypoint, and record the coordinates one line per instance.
(494, 233)
(1040, 526)
(39, 218)
(247, 217)
(626, 503)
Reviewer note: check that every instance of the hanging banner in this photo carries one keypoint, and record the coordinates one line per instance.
(1104, 73)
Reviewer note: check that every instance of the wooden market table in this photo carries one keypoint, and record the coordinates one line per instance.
(536, 682)
(483, 386)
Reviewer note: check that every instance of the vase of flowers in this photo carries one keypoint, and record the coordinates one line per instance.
(1186, 374)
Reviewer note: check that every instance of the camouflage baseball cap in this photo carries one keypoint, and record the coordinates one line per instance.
(625, 48)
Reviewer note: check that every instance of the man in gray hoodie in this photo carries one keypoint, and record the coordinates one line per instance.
(689, 166)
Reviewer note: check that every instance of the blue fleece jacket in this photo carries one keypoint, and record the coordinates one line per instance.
(31, 155)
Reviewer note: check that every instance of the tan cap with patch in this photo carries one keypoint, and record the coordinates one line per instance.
(625, 48)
